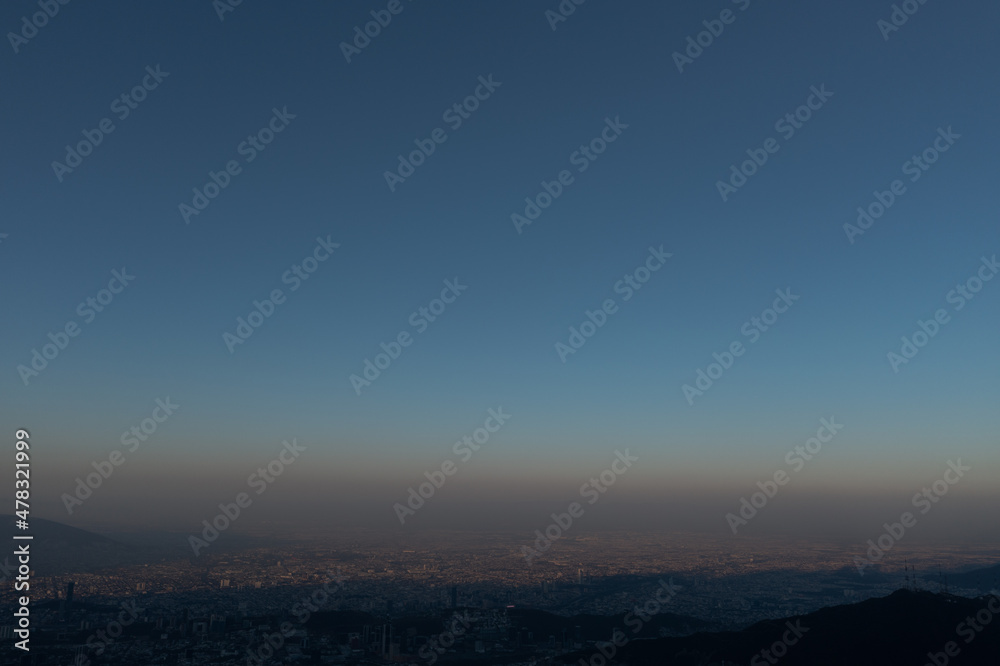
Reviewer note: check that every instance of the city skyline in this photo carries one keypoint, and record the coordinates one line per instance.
(507, 334)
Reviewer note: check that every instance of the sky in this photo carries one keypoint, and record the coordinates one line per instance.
(643, 127)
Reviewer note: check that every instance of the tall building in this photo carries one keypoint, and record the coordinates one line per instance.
(67, 601)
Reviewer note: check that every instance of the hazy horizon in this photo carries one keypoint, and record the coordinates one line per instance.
(471, 300)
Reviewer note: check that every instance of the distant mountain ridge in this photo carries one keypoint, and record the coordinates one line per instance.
(985, 579)
(57, 548)
(907, 627)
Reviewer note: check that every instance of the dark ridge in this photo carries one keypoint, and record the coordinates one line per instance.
(56, 548)
(902, 628)
(987, 579)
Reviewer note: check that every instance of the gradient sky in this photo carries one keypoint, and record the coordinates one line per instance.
(655, 185)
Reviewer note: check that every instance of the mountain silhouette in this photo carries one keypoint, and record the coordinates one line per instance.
(987, 579)
(56, 548)
(905, 627)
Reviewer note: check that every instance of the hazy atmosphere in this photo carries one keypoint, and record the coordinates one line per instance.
(722, 269)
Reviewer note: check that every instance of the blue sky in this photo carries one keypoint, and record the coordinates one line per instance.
(655, 185)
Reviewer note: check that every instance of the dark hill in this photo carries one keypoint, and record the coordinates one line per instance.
(979, 579)
(899, 629)
(57, 548)
(600, 627)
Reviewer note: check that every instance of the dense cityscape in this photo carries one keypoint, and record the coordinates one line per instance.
(538, 333)
(366, 599)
